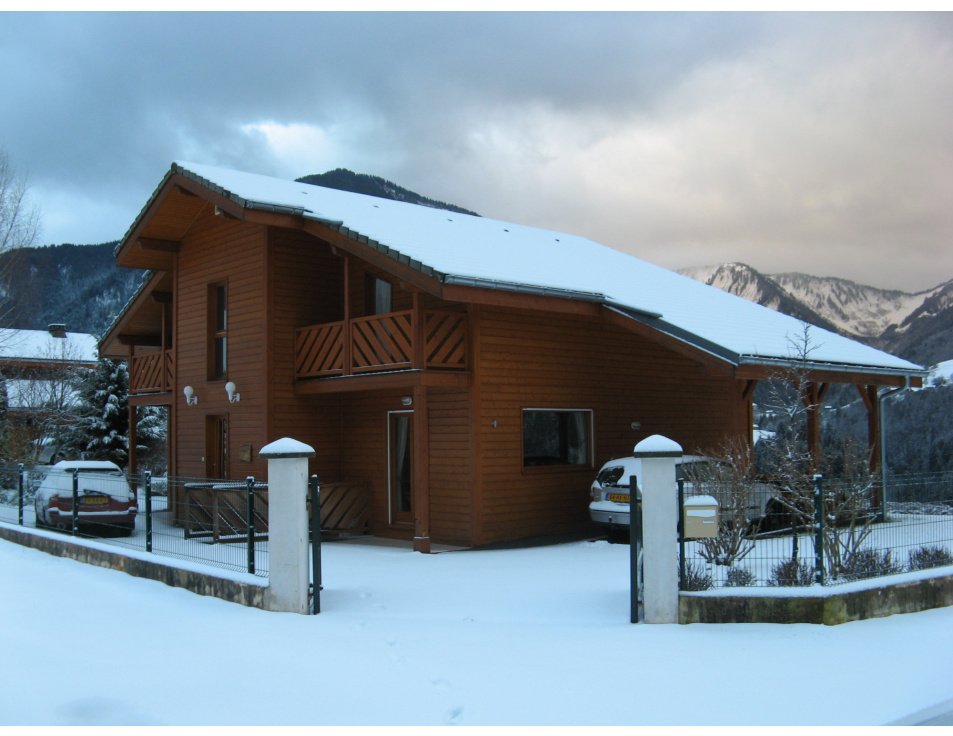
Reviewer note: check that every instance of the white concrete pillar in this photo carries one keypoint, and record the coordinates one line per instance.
(288, 567)
(660, 528)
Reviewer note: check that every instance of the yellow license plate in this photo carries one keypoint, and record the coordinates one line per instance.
(619, 497)
(94, 499)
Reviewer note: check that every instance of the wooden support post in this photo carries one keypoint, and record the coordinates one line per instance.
(133, 437)
(421, 471)
(346, 332)
(812, 397)
(417, 322)
(870, 396)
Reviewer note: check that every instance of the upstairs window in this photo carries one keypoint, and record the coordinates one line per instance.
(557, 437)
(217, 331)
(378, 296)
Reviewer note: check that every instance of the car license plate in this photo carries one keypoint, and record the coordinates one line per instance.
(619, 497)
(94, 499)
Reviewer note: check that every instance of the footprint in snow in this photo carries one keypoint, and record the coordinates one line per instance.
(454, 716)
(441, 684)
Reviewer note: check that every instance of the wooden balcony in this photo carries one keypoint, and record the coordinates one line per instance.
(387, 342)
(151, 373)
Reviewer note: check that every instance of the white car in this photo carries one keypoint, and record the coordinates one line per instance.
(106, 501)
(609, 493)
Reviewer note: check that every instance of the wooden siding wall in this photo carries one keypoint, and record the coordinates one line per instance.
(308, 289)
(217, 249)
(451, 466)
(364, 422)
(536, 359)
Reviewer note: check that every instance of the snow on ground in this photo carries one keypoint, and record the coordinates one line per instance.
(532, 636)
(941, 373)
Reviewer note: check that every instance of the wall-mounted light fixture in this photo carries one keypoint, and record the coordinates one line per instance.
(232, 390)
(407, 400)
(636, 425)
(190, 397)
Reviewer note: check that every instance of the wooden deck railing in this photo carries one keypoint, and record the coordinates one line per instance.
(151, 373)
(385, 342)
(218, 510)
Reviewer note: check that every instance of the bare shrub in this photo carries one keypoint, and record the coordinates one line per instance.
(926, 558)
(696, 578)
(869, 563)
(792, 573)
(727, 480)
(741, 577)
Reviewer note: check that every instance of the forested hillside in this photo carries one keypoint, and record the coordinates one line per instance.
(78, 285)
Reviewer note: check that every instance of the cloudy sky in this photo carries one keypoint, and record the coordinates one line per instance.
(813, 142)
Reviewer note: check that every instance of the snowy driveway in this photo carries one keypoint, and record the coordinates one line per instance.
(530, 636)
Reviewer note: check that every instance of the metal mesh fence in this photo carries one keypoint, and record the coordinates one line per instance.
(222, 523)
(825, 532)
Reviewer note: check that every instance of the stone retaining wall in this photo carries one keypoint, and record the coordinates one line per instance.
(202, 583)
(836, 608)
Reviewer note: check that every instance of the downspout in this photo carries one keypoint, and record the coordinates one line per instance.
(881, 398)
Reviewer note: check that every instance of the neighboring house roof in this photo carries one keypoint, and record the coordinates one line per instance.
(476, 251)
(40, 347)
(29, 350)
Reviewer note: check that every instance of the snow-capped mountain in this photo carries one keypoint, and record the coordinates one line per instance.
(918, 326)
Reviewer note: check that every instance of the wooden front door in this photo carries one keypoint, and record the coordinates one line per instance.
(216, 447)
(400, 476)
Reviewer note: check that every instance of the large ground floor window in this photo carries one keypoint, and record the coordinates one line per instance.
(557, 437)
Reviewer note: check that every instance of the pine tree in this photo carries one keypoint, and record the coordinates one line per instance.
(102, 432)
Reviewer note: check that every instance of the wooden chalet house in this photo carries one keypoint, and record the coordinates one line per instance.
(469, 374)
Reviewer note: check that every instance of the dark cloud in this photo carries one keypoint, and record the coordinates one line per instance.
(815, 142)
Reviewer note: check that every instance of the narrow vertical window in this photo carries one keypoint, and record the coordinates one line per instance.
(218, 331)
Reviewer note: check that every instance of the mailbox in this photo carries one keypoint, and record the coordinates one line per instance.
(700, 517)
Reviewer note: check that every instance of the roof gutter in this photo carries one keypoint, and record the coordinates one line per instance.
(793, 363)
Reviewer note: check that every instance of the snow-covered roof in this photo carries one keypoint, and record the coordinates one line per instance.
(38, 393)
(40, 346)
(477, 251)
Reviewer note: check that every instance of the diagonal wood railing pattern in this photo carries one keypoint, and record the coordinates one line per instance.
(319, 350)
(445, 335)
(383, 342)
(151, 373)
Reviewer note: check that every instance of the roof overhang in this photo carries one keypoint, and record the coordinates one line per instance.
(140, 320)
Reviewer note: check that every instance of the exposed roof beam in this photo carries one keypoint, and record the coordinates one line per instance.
(165, 246)
(143, 340)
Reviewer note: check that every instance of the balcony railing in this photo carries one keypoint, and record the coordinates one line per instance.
(385, 342)
(151, 373)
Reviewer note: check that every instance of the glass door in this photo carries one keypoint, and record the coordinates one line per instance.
(400, 448)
